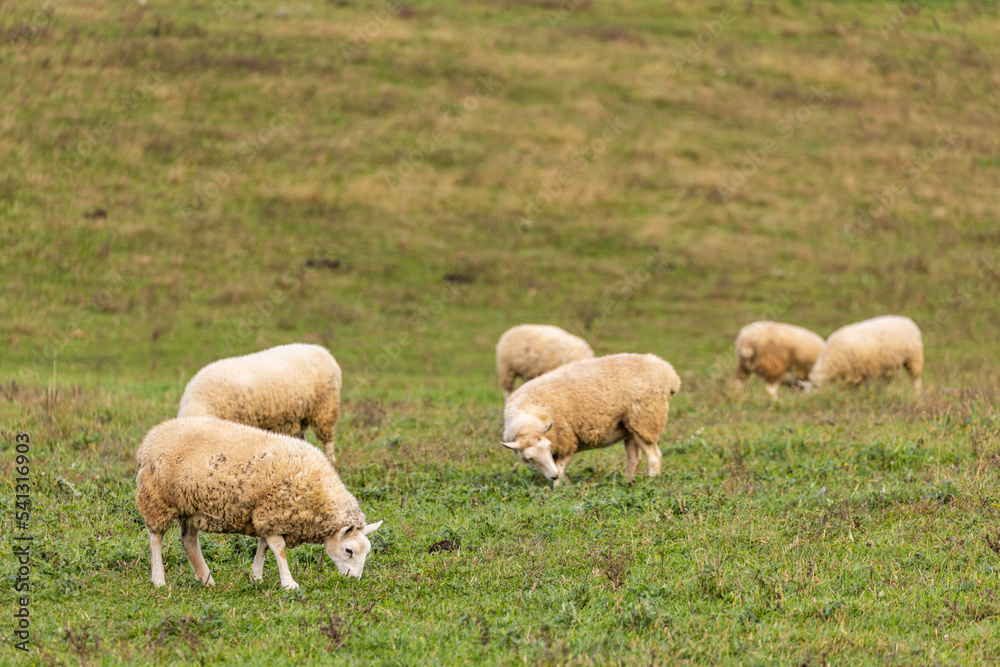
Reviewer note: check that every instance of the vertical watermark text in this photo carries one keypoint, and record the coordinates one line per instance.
(22, 541)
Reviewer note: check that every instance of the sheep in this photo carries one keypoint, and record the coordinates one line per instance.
(776, 351)
(530, 350)
(223, 477)
(875, 348)
(590, 404)
(284, 389)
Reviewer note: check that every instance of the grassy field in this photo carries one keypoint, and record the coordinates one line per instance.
(401, 183)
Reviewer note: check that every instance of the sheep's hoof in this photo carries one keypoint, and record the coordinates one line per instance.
(210, 582)
(290, 586)
(159, 584)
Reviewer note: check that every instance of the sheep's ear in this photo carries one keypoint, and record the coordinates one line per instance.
(511, 445)
(371, 528)
(343, 531)
(547, 427)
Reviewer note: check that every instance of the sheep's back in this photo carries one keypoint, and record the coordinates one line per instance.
(267, 388)
(870, 348)
(540, 348)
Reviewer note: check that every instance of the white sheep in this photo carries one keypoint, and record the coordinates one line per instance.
(591, 404)
(223, 477)
(875, 348)
(530, 350)
(776, 351)
(285, 389)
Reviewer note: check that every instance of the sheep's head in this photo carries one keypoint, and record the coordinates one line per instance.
(349, 548)
(532, 447)
(674, 383)
(816, 379)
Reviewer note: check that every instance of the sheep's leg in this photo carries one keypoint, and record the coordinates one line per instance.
(741, 378)
(631, 456)
(561, 479)
(257, 571)
(277, 544)
(507, 379)
(772, 388)
(913, 368)
(329, 447)
(189, 538)
(653, 456)
(324, 421)
(156, 556)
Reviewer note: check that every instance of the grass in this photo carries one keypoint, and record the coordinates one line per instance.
(401, 184)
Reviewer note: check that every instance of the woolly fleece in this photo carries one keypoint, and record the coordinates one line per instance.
(595, 403)
(875, 348)
(284, 389)
(776, 351)
(530, 350)
(223, 477)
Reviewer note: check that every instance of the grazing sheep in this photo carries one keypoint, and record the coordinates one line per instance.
(777, 352)
(875, 348)
(590, 404)
(285, 389)
(530, 350)
(223, 477)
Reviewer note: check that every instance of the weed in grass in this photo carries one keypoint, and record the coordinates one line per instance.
(82, 641)
(614, 562)
(983, 455)
(336, 630)
(738, 478)
(185, 630)
(443, 545)
(993, 542)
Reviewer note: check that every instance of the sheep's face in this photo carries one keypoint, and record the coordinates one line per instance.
(816, 378)
(536, 450)
(674, 384)
(349, 548)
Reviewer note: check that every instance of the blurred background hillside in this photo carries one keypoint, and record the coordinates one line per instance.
(402, 182)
